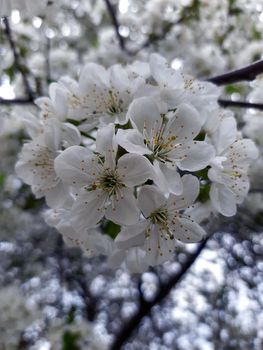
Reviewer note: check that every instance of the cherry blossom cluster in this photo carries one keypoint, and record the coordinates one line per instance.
(139, 148)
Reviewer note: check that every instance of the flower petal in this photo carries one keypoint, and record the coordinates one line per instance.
(184, 124)
(131, 236)
(145, 114)
(75, 166)
(187, 231)
(189, 195)
(150, 199)
(134, 169)
(123, 209)
(223, 200)
(132, 141)
(88, 210)
(197, 155)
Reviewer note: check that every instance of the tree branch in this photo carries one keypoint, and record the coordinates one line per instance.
(18, 101)
(240, 104)
(145, 307)
(18, 64)
(116, 25)
(247, 73)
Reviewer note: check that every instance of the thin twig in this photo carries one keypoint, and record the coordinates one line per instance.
(48, 70)
(116, 25)
(145, 306)
(247, 73)
(18, 101)
(240, 104)
(21, 68)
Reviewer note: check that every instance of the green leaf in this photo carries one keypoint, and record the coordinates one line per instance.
(204, 193)
(2, 180)
(230, 89)
(111, 229)
(70, 340)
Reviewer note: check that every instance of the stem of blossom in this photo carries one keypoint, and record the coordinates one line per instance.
(21, 68)
(145, 306)
(247, 73)
(240, 104)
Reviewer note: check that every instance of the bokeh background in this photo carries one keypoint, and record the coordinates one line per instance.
(52, 296)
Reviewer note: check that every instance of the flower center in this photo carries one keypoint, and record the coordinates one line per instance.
(115, 104)
(157, 143)
(110, 182)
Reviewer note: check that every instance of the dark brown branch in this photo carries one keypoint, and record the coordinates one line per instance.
(247, 73)
(18, 64)
(116, 25)
(240, 104)
(145, 306)
(18, 101)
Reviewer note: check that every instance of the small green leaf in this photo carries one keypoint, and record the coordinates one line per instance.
(111, 229)
(70, 340)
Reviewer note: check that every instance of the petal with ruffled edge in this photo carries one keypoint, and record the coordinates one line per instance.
(76, 166)
(134, 169)
(106, 145)
(150, 199)
(132, 235)
(145, 115)
(183, 125)
(187, 231)
(88, 210)
(132, 141)
(123, 209)
(196, 155)
(167, 179)
(223, 200)
(190, 192)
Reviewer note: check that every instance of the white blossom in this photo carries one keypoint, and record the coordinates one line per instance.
(229, 169)
(168, 139)
(105, 184)
(36, 163)
(164, 222)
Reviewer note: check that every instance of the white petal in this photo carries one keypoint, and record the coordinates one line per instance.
(188, 231)
(131, 236)
(223, 200)
(70, 135)
(225, 134)
(134, 169)
(58, 196)
(189, 195)
(167, 179)
(198, 155)
(95, 76)
(74, 166)
(132, 141)
(150, 199)
(162, 73)
(106, 144)
(145, 114)
(88, 210)
(123, 209)
(184, 124)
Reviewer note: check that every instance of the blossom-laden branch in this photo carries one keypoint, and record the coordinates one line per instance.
(222, 102)
(247, 73)
(240, 104)
(145, 306)
(19, 66)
